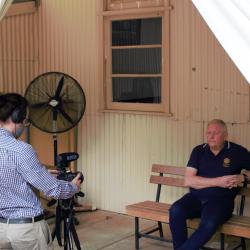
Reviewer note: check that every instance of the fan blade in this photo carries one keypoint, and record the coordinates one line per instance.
(59, 87)
(65, 115)
(36, 115)
(38, 105)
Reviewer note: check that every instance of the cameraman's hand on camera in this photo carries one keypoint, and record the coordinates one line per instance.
(77, 181)
(53, 172)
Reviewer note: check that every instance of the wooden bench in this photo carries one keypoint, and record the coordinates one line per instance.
(238, 225)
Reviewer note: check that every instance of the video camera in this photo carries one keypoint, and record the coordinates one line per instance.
(62, 165)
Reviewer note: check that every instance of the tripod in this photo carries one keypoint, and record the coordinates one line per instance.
(65, 214)
(64, 208)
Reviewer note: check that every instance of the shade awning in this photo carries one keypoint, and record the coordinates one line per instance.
(229, 20)
(4, 5)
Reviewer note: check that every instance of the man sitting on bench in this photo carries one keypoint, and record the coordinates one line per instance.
(213, 173)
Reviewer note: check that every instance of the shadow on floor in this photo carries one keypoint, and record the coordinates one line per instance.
(107, 230)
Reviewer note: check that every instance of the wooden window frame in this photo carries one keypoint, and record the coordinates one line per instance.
(131, 4)
(109, 15)
(25, 7)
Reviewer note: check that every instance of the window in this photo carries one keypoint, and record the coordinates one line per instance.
(136, 44)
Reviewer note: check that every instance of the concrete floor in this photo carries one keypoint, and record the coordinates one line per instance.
(106, 230)
(103, 230)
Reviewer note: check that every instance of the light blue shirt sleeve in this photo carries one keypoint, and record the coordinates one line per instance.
(38, 176)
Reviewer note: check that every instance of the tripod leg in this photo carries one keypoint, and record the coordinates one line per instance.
(57, 229)
(57, 232)
(68, 240)
(66, 235)
(76, 239)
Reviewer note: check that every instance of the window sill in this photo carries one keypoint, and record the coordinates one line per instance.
(136, 112)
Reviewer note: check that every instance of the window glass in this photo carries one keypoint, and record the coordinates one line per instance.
(136, 32)
(137, 89)
(136, 53)
(136, 61)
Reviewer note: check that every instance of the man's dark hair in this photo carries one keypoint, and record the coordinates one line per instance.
(14, 106)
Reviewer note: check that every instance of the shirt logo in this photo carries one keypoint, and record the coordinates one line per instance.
(226, 162)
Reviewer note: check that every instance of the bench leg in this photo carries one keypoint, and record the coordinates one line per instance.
(160, 229)
(137, 233)
(243, 243)
(222, 241)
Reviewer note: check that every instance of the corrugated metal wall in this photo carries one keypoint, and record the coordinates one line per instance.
(18, 54)
(117, 149)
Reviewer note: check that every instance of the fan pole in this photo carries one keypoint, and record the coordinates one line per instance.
(54, 127)
(55, 148)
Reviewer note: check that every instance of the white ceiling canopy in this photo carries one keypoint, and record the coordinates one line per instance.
(4, 5)
(229, 20)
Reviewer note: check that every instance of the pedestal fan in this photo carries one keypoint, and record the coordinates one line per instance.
(57, 103)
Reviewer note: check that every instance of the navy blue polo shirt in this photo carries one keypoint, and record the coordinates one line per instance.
(230, 161)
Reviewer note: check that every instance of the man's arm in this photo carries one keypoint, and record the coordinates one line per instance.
(198, 182)
(38, 176)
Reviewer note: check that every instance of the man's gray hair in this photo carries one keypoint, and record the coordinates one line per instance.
(219, 122)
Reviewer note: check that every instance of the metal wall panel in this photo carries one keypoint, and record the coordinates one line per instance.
(219, 83)
(117, 149)
(18, 56)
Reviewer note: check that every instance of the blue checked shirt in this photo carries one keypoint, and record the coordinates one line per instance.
(20, 170)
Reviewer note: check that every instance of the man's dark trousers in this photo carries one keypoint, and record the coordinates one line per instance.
(213, 212)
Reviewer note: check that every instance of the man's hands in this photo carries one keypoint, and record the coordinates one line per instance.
(53, 172)
(230, 181)
(77, 181)
(198, 182)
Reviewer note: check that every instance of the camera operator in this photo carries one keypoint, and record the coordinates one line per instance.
(22, 224)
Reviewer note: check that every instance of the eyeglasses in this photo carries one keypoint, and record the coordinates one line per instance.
(26, 122)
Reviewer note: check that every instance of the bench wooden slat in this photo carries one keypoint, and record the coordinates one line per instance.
(150, 210)
(157, 211)
(237, 226)
(158, 168)
(164, 180)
